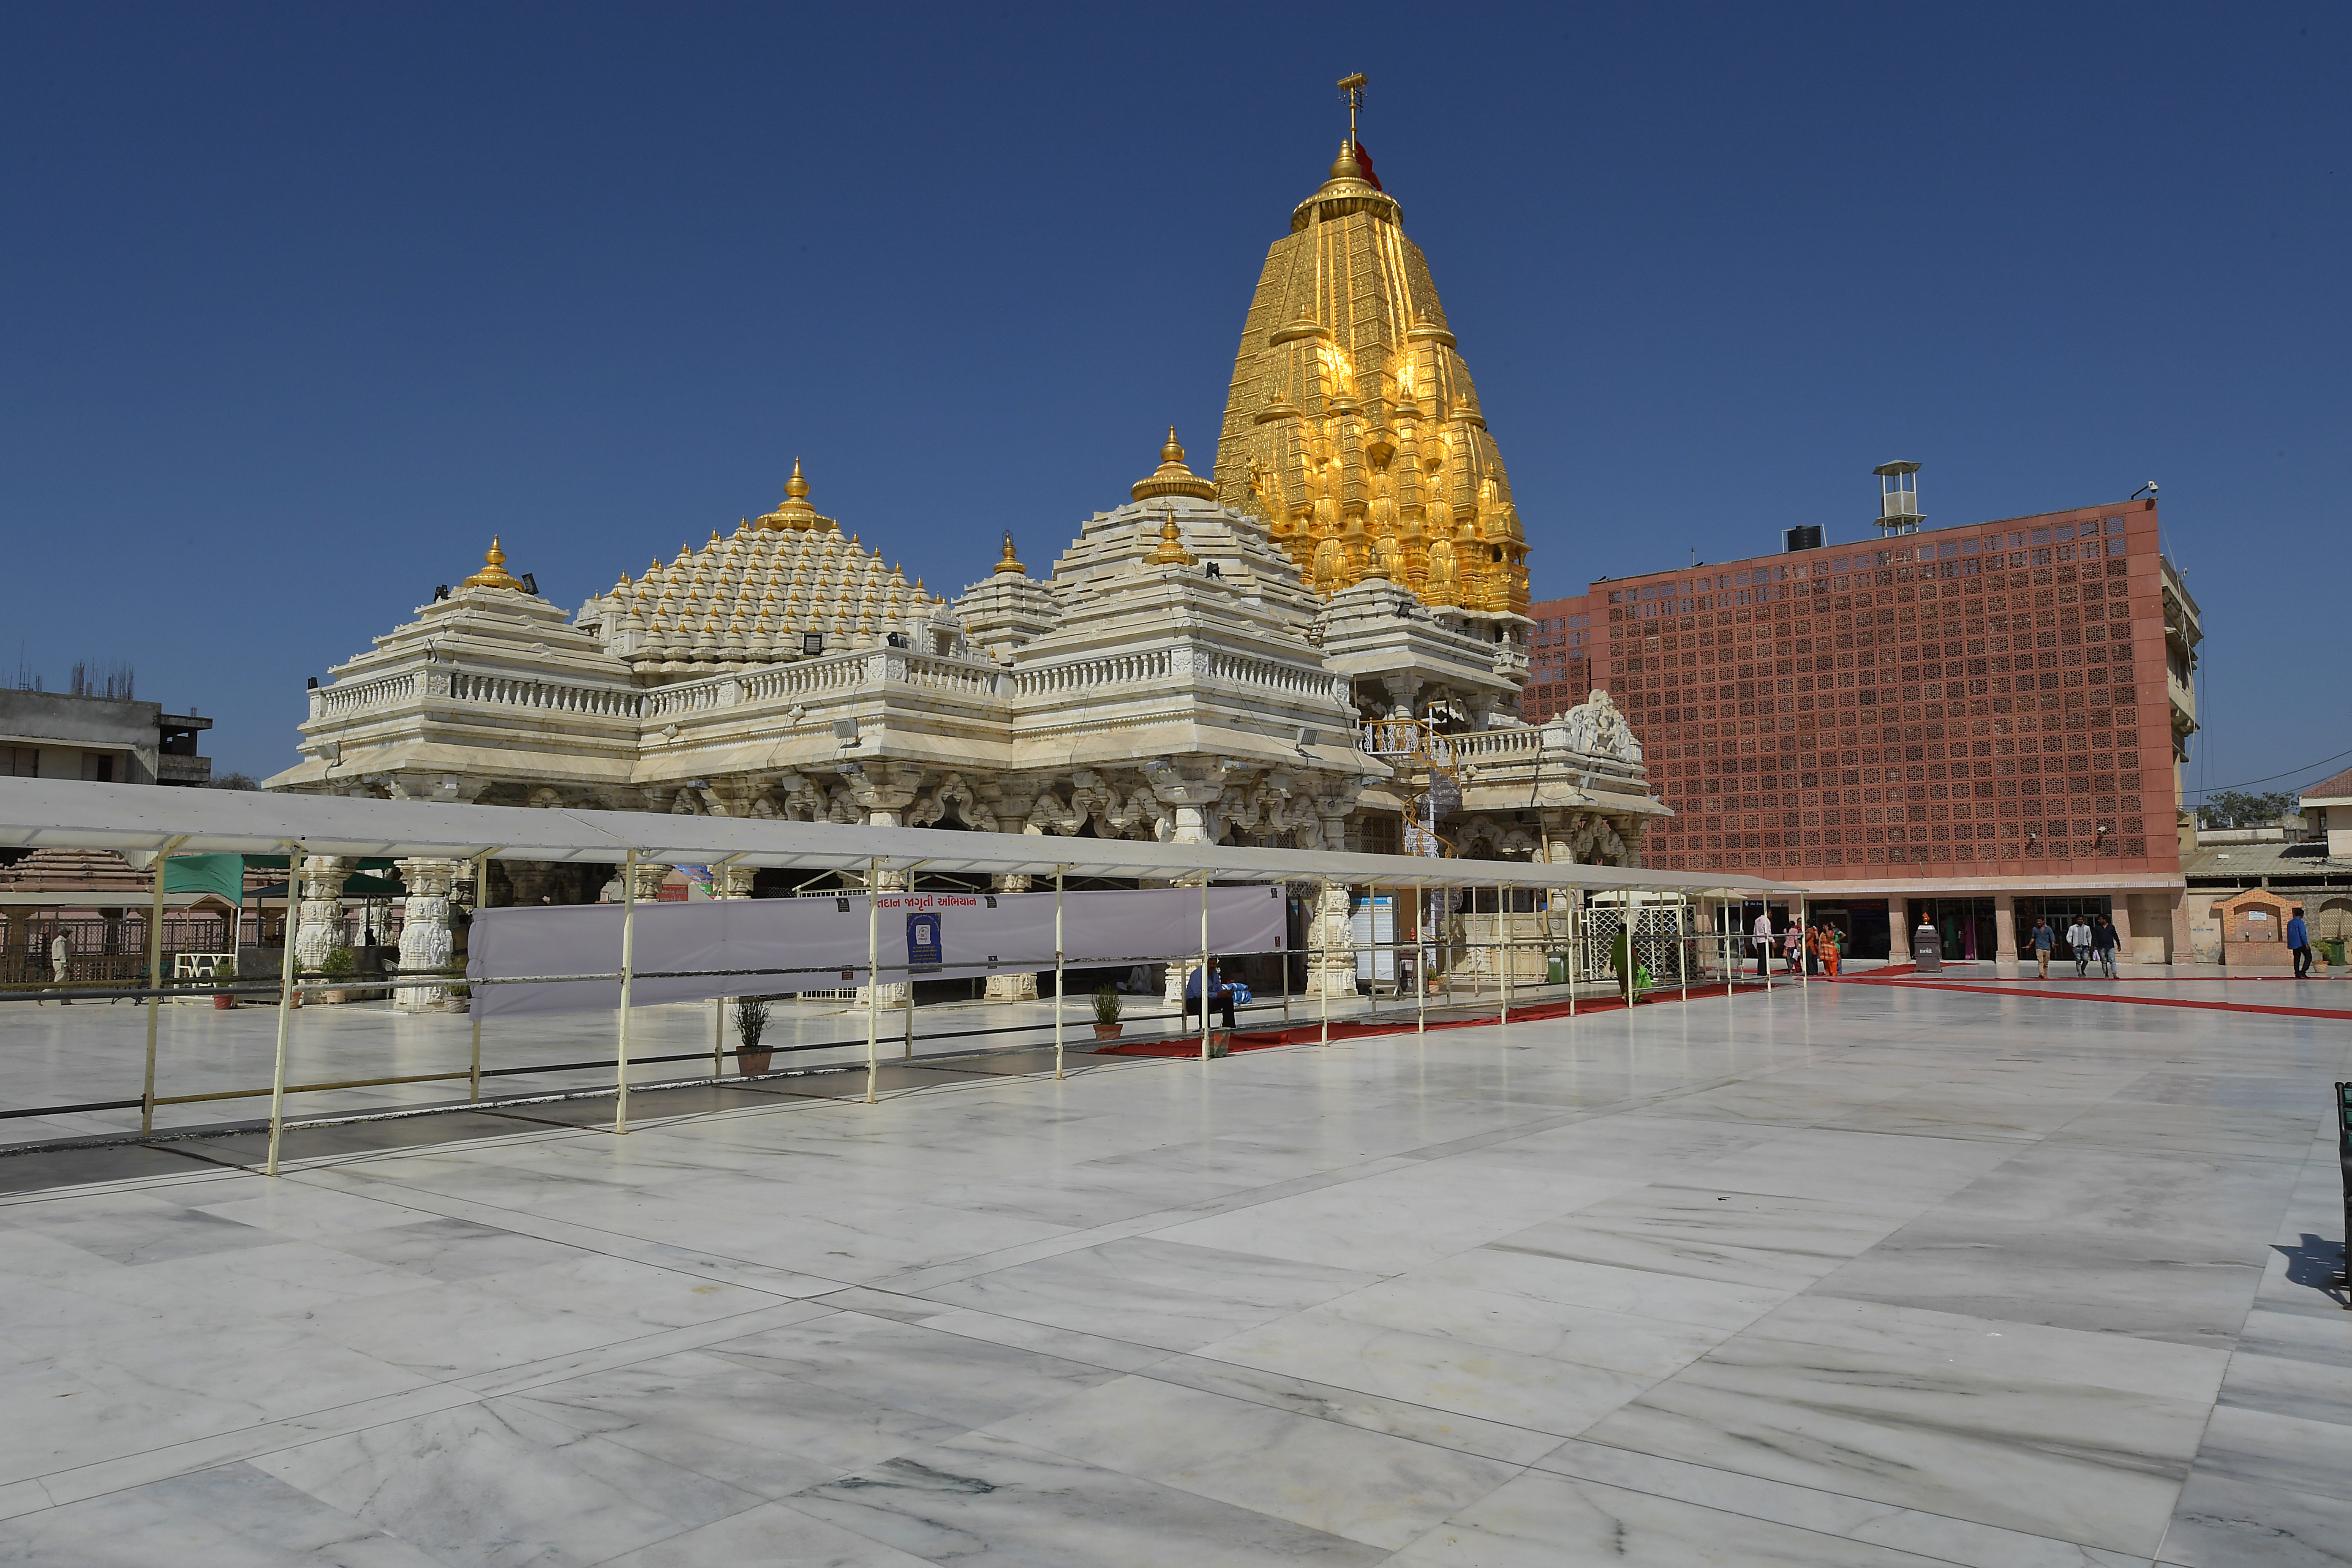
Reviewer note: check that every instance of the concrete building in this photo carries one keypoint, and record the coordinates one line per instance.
(1970, 726)
(109, 739)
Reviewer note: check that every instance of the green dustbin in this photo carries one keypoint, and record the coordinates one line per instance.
(1556, 969)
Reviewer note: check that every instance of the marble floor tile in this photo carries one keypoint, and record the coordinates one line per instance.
(771, 1536)
(1353, 1407)
(480, 1485)
(1153, 1290)
(984, 1500)
(1424, 1302)
(2065, 1460)
(949, 1377)
(755, 1431)
(2076, 1278)
(1932, 1535)
(1674, 1297)
(1397, 1220)
(1545, 1521)
(230, 1517)
(1342, 1480)
(1758, 1240)
(1819, 1162)
(2224, 1522)
(1999, 1347)
(2280, 1450)
(1499, 1385)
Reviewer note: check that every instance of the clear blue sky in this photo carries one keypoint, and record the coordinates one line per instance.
(302, 304)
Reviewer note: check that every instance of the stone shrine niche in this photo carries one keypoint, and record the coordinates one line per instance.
(2254, 932)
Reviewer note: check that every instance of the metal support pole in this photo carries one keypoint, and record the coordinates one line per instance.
(1683, 935)
(1323, 980)
(155, 980)
(285, 1006)
(1575, 952)
(481, 902)
(1057, 972)
(1503, 951)
(908, 1053)
(1766, 901)
(873, 970)
(1420, 959)
(628, 967)
(718, 1036)
(1204, 966)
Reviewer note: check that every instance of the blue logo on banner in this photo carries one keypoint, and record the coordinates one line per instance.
(923, 945)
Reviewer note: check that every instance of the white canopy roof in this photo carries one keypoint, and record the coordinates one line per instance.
(140, 819)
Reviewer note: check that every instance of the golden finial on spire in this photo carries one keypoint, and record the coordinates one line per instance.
(794, 514)
(1009, 567)
(1173, 478)
(494, 574)
(1171, 551)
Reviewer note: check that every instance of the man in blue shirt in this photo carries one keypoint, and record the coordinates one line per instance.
(1221, 995)
(2298, 942)
(2045, 939)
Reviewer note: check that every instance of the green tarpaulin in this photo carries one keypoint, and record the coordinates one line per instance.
(221, 874)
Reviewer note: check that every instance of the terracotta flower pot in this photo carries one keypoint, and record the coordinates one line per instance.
(752, 1063)
(1108, 1031)
(223, 1001)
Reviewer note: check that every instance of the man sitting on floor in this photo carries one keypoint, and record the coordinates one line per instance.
(1221, 995)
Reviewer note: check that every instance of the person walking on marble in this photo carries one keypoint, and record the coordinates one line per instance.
(2078, 943)
(1763, 934)
(2103, 943)
(2044, 939)
(2298, 942)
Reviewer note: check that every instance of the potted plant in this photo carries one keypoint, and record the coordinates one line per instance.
(338, 966)
(750, 1023)
(460, 999)
(1106, 1013)
(224, 973)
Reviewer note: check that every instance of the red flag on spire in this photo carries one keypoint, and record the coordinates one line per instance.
(1364, 161)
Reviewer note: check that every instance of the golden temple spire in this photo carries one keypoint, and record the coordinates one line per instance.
(1009, 566)
(494, 574)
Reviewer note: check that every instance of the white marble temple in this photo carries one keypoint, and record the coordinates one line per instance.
(1871, 1277)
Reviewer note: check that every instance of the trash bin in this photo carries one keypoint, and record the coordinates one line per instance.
(1556, 969)
(1927, 949)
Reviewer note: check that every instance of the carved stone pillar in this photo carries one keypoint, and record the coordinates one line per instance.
(649, 879)
(2004, 927)
(424, 939)
(1023, 986)
(1191, 789)
(732, 881)
(882, 791)
(318, 919)
(1330, 958)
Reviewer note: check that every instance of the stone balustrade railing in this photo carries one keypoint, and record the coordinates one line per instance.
(602, 701)
(1273, 674)
(1082, 674)
(342, 701)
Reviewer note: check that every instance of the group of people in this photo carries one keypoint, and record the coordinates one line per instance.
(1816, 946)
(2087, 941)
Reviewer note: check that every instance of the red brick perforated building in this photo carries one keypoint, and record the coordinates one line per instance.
(1970, 725)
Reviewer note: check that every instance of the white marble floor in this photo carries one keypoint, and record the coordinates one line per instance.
(1870, 1275)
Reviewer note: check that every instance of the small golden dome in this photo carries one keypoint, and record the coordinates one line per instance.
(795, 514)
(1173, 478)
(1171, 551)
(494, 574)
(1008, 567)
